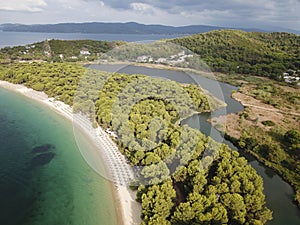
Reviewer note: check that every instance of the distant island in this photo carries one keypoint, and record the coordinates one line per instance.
(127, 28)
(113, 28)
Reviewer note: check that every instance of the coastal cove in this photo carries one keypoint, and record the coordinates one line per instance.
(279, 194)
(282, 193)
(41, 162)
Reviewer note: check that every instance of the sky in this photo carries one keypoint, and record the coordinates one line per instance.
(228, 13)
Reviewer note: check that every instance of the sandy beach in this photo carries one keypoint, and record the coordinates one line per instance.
(118, 170)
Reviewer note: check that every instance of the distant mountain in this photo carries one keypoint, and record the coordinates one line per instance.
(111, 28)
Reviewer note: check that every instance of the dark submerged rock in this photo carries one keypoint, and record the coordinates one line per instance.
(42, 148)
(42, 159)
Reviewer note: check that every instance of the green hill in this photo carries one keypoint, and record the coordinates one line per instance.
(57, 50)
(256, 53)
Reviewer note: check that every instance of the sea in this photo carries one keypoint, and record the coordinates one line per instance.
(43, 178)
(8, 39)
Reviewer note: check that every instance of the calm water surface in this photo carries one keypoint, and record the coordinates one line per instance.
(23, 38)
(43, 177)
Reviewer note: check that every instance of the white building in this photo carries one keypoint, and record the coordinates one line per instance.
(161, 60)
(290, 79)
(84, 52)
(142, 58)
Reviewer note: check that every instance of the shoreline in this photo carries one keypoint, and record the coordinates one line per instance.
(127, 210)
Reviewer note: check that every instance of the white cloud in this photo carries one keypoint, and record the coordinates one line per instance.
(101, 3)
(142, 7)
(23, 5)
(230, 13)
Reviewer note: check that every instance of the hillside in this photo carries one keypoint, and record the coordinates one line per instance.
(256, 53)
(57, 50)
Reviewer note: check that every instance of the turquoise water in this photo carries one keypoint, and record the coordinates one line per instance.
(43, 178)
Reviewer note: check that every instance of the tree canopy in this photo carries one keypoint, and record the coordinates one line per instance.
(255, 53)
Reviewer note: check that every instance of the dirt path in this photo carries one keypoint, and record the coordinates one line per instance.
(249, 101)
(269, 109)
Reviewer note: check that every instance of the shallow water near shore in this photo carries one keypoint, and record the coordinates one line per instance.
(43, 177)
